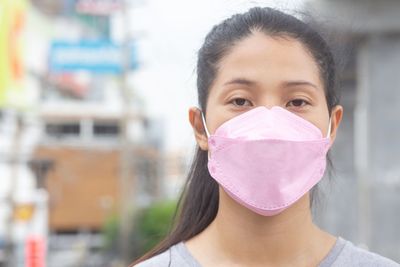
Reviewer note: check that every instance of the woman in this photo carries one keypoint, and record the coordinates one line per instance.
(268, 116)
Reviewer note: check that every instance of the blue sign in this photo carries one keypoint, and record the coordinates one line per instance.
(93, 56)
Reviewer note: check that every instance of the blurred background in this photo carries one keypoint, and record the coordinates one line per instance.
(94, 137)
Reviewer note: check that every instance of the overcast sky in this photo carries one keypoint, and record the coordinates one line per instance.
(171, 32)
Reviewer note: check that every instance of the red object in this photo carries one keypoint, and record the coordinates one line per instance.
(98, 7)
(35, 252)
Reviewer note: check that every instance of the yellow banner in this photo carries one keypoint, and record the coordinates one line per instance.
(12, 23)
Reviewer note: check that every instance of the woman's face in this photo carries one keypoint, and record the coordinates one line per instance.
(266, 71)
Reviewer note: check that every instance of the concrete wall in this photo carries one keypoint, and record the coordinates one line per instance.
(363, 201)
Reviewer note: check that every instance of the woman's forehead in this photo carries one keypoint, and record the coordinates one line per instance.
(263, 59)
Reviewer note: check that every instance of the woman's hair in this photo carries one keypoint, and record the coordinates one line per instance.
(198, 204)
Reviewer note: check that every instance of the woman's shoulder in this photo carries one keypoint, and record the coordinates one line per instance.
(175, 256)
(352, 255)
(161, 259)
(344, 253)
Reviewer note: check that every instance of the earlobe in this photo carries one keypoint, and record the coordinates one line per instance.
(198, 127)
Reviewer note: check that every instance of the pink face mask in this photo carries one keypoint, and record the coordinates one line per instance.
(266, 159)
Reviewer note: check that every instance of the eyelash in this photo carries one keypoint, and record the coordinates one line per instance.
(303, 102)
(233, 101)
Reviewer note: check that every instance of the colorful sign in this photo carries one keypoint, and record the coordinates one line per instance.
(92, 56)
(23, 212)
(12, 23)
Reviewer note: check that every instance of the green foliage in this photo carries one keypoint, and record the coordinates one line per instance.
(110, 231)
(150, 226)
(153, 224)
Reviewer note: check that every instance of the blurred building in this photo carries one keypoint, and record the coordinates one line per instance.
(364, 199)
(83, 147)
(176, 167)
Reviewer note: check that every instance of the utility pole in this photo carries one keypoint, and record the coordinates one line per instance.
(127, 182)
(14, 155)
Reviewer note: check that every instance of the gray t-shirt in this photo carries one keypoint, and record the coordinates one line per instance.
(344, 253)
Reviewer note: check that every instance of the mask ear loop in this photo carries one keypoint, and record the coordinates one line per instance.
(204, 124)
(206, 130)
(329, 127)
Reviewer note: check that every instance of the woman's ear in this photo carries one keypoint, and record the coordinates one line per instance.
(198, 127)
(336, 118)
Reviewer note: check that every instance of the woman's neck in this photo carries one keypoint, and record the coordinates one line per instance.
(237, 235)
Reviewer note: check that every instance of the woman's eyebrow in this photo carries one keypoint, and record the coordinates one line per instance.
(298, 83)
(242, 81)
(285, 84)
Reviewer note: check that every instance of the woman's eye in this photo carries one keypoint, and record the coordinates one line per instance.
(240, 102)
(297, 103)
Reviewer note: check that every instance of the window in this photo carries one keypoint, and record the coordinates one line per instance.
(106, 129)
(62, 130)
